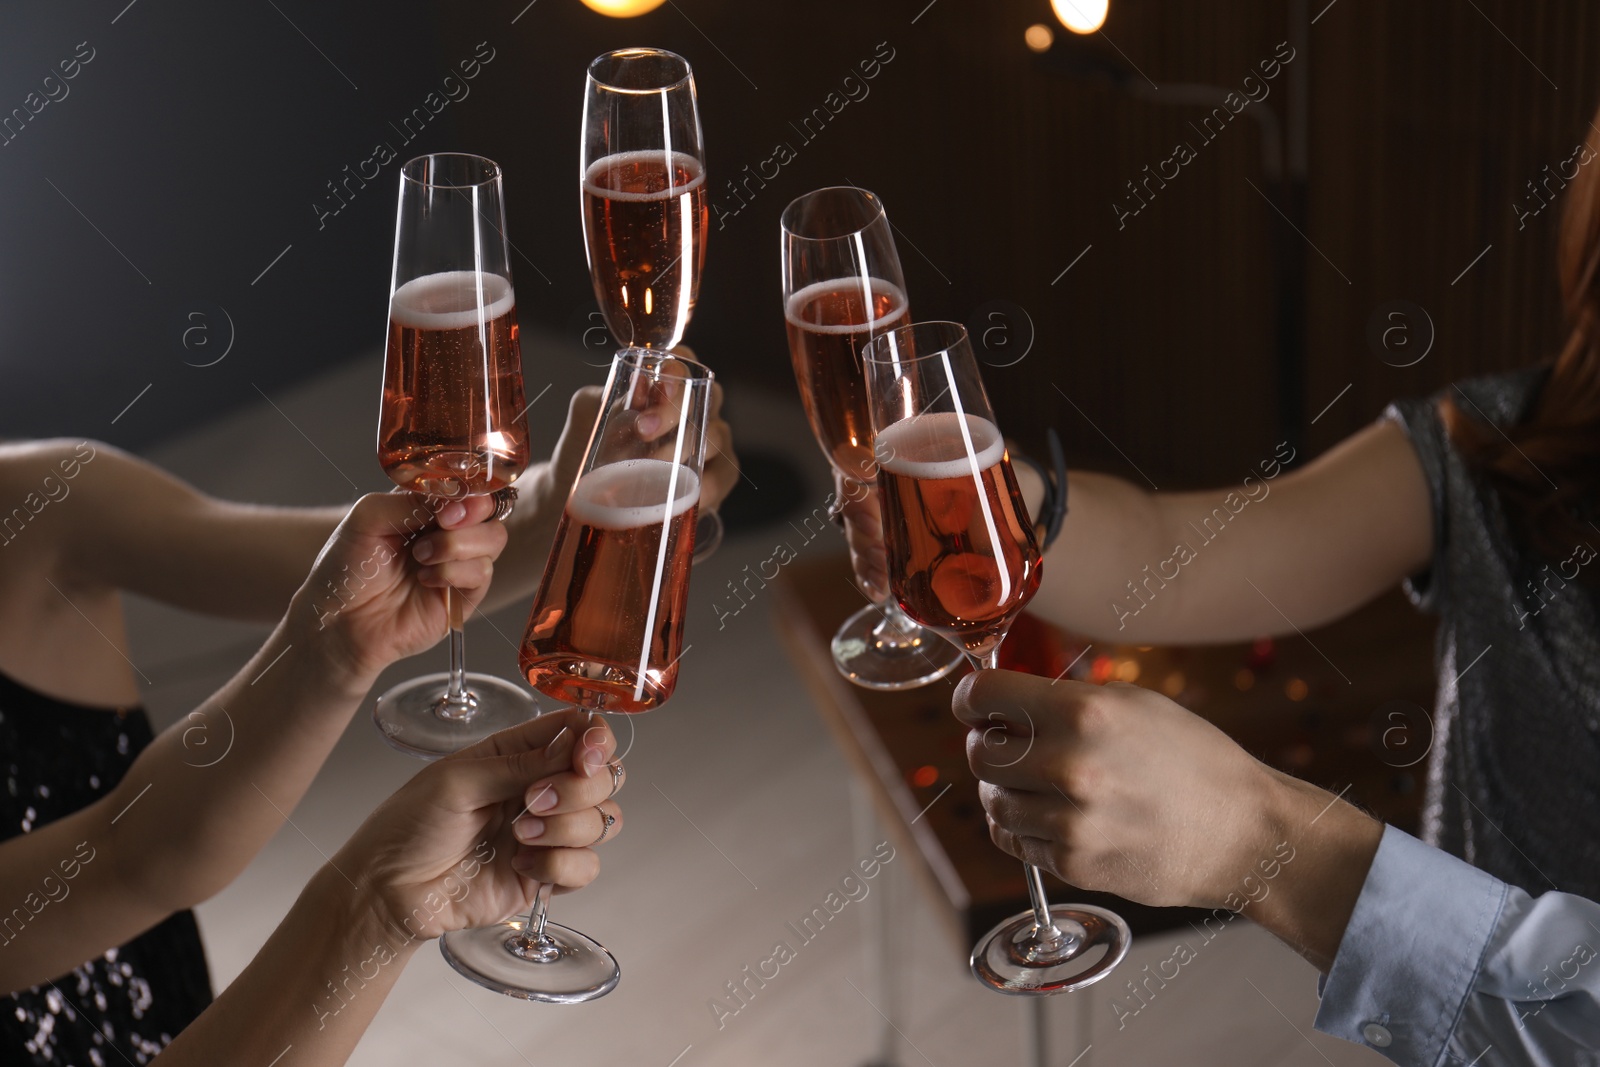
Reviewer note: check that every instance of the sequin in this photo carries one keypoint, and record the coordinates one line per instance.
(1514, 772)
(59, 758)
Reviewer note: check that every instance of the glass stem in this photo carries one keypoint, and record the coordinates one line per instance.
(1044, 927)
(457, 702)
(533, 931)
(896, 631)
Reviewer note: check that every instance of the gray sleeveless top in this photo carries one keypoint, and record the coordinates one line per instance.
(1514, 772)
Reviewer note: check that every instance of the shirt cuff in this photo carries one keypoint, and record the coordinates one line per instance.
(1411, 952)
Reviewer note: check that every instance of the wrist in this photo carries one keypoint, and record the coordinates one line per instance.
(1333, 844)
(316, 630)
(361, 925)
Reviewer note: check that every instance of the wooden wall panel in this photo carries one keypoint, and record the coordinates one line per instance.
(1424, 123)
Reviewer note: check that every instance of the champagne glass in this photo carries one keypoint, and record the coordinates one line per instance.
(645, 212)
(963, 561)
(606, 630)
(450, 425)
(842, 286)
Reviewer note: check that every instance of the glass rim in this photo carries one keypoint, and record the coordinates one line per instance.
(879, 214)
(491, 168)
(639, 52)
(633, 357)
(955, 334)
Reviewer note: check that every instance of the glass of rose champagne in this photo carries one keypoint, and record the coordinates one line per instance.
(606, 629)
(642, 173)
(842, 286)
(964, 562)
(451, 421)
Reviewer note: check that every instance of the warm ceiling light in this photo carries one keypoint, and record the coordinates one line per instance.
(1079, 16)
(626, 9)
(1039, 37)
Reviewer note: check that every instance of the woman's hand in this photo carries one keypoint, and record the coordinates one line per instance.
(468, 841)
(378, 588)
(1117, 788)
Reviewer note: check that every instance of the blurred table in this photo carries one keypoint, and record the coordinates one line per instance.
(1341, 707)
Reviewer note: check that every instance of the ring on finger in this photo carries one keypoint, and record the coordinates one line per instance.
(504, 500)
(607, 821)
(617, 776)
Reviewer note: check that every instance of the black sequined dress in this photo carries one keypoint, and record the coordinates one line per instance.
(126, 1006)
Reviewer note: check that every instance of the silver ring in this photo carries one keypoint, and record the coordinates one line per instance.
(504, 500)
(607, 820)
(617, 774)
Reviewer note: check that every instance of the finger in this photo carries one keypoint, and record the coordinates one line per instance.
(467, 511)
(577, 829)
(486, 539)
(583, 410)
(1030, 850)
(466, 575)
(1001, 756)
(502, 766)
(1048, 706)
(1046, 817)
(658, 396)
(557, 794)
(596, 745)
(565, 868)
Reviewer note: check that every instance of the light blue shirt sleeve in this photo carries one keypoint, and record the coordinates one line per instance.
(1443, 965)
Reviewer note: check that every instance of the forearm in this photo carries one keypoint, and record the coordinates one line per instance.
(212, 789)
(1114, 530)
(1308, 905)
(237, 561)
(314, 987)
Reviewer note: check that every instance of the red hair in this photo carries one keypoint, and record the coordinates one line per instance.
(1559, 441)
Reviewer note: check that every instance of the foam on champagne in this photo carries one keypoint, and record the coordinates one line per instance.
(931, 446)
(449, 300)
(801, 297)
(594, 186)
(632, 493)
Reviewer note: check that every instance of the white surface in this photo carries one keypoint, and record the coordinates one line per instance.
(738, 823)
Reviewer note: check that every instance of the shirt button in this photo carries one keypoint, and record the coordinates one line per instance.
(1377, 1036)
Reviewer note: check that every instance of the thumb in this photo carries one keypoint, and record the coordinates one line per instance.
(583, 411)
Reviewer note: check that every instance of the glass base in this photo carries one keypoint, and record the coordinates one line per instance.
(414, 719)
(567, 967)
(860, 658)
(1010, 958)
(707, 535)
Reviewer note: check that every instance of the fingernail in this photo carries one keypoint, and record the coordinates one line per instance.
(423, 552)
(648, 425)
(593, 760)
(543, 798)
(523, 861)
(452, 513)
(528, 828)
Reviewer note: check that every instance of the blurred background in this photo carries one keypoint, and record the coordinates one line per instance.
(194, 262)
(199, 144)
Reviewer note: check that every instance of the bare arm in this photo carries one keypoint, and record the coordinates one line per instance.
(1156, 568)
(1316, 543)
(209, 792)
(448, 851)
(122, 523)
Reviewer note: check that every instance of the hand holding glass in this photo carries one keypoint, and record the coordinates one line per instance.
(964, 561)
(606, 629)
(451, 423)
